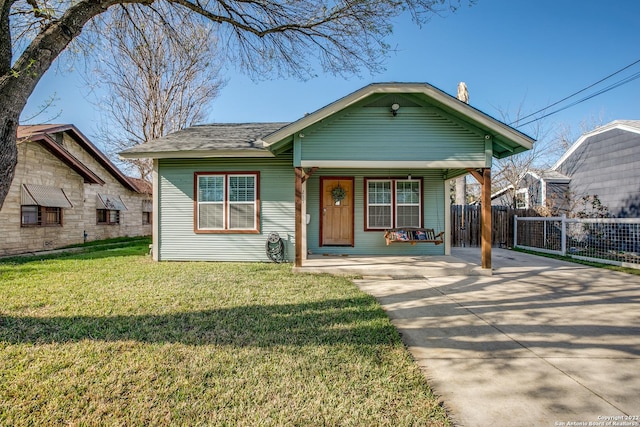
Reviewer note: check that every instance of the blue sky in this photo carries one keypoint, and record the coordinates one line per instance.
(512, 54)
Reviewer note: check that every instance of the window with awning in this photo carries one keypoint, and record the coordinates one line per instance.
(42, 195)
(42, 205)
(108, 209)
(110, 202)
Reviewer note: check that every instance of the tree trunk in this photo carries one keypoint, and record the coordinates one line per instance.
(18, 81)
(8, 151)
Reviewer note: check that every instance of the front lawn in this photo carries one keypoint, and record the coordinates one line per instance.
(110, 337)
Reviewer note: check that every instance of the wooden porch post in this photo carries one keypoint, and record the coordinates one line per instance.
(486, 218)
(298, 217)
(485, 182)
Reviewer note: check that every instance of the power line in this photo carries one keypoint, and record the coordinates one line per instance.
(588, 97)
(574, 94)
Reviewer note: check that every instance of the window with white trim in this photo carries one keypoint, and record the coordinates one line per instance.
(393, 203)
(226, 202)
(379, 206)
(522, 198)
(408, 203)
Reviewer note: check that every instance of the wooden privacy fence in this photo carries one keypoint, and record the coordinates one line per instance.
(466, 224)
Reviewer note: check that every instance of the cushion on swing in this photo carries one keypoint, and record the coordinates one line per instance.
(414, 235)
(401, 235)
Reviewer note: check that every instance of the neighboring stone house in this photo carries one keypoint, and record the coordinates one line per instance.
(602, 164)
(65, 191)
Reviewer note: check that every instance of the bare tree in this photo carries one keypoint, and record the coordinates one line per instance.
(565, 135)
(551, 142)
(509, 172)
(160, 76)
(264, 38)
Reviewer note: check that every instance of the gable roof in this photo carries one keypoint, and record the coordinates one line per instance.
(220, 140)
(625, 125)
(43, 135)
(266, 139)
(506, 140)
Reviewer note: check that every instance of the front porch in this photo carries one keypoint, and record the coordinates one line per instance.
(394, 267)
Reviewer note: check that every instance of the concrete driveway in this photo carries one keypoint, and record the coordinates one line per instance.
(539, 343)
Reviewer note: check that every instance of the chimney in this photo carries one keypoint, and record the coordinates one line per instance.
(461, 181)
(463, 93)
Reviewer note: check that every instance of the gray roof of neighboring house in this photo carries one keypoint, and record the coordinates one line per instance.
(628, 125)
(200, 140)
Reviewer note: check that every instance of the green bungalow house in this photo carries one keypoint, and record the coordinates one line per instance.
(333, 182)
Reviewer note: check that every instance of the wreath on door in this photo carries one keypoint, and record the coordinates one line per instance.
(338, 193)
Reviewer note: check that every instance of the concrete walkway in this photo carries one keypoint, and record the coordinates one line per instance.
(539, 343)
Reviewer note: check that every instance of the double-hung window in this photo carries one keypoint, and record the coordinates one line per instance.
(227, 202)
(393, 203)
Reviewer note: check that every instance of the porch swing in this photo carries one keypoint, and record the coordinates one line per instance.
(413, 235)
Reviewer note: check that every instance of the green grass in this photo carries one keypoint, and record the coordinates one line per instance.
(109, 337)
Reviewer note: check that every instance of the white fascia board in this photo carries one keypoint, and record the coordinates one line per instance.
(533, 174)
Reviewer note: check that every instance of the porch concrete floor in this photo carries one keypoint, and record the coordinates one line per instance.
(394, 267)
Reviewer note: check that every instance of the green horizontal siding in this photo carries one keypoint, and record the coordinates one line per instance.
(177, 240)
(372, 242)
(373, 134)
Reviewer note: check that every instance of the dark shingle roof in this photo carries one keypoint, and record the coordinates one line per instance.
(230, 137)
